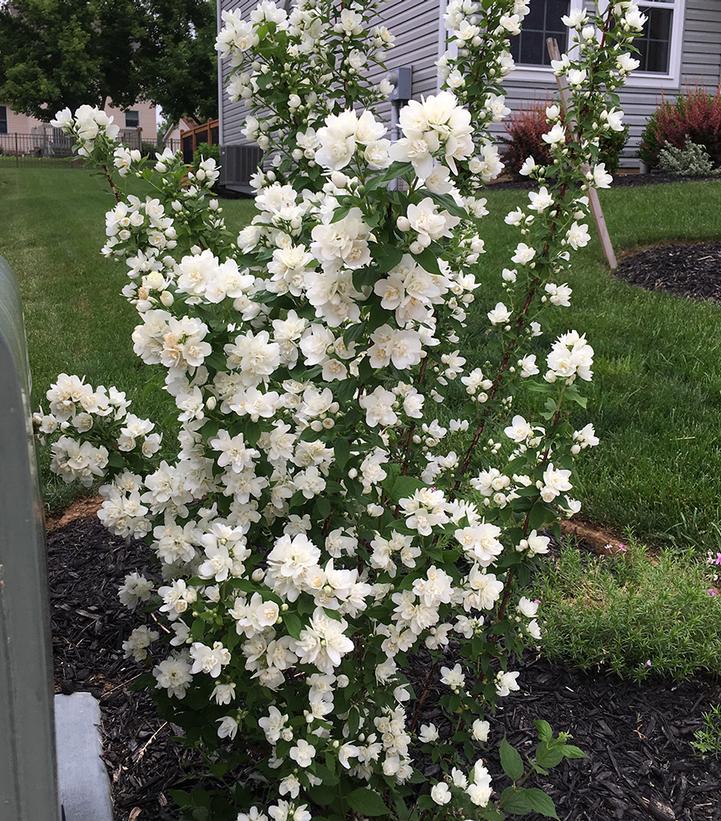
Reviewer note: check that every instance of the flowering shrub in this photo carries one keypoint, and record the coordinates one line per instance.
(525, 139)
(695, 116)
(331, 554)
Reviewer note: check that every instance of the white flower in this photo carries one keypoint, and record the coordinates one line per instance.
(323, 642)
(138, 642)
(428, 733)
(453, 677)
(601, 178)
(441, 793)
(540, 200)
(523, 254)
(614, 119)
(555, 136)
(481, 730)
(577, 236)
(558, 294)
(506, 683)
(499, 315)
(210, 660)
(479, 790)
(228, 727)
(555, 482)
(570, 356)
(519, 430)
(173, 674)
(302, 753)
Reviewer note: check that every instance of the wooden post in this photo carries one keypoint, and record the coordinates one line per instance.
(555, 54)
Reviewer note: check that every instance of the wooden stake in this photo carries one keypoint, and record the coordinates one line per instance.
(555, 54)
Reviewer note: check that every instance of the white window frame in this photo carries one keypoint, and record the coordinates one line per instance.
(653, 79)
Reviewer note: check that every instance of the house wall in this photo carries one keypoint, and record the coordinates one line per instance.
(24, 124)
(417, 27)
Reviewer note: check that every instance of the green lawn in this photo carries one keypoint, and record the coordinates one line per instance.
(655, 401)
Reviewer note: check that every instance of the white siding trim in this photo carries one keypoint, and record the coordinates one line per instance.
(443, 46)
(221, 90)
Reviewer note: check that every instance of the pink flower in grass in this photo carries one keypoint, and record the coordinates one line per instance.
(713, 591)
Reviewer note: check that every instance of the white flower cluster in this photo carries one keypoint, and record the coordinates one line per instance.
(319, 529)
(102, 416)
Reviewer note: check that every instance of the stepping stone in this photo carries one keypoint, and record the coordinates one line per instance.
(82, 778)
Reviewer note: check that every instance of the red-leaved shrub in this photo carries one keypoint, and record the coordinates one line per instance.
(695, 116)
(525, 131)
(524, 139)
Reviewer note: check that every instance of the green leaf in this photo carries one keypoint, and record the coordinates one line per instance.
(387, 256)
(217, 360)
(544, 730)
(323, 795)
(540, 514)
(549, 756)
(511, 761)
(115, 460)
(402, 487)
(526, 801)
(340, 213)
(571, 751)
(342, 452)
(293, 624)
(428, 260)
(367, 802)
(396, 169)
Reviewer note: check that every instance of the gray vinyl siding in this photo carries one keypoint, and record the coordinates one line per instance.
(233, 114)
(416, 25)
(701, 56)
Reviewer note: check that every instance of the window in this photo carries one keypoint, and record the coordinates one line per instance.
(542, 21)
(654, 44)
(3, 119)
(659, 44)
(132, 119)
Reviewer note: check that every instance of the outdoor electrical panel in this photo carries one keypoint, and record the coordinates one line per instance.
(402, 79)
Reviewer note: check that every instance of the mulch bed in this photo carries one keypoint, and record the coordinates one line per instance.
(85, 568)
(639, 764)
(690, 270)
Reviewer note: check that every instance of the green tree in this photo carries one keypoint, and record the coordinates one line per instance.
(58, 53)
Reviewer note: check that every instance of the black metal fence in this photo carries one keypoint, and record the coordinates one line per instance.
(43, 145)
(48, 145)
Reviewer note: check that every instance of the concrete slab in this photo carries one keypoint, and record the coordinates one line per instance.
(83, 780)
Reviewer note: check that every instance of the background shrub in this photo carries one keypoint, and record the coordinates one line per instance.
(690, 161)
(695, 116)
(525, 131)
(634, 614)
(205, 151)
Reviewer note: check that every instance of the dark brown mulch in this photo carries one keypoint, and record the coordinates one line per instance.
(636, 737)
(690, 270)
(640, 765)
(85, 567)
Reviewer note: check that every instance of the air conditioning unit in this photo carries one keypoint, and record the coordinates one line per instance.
(239, 163)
